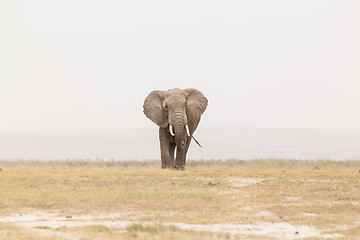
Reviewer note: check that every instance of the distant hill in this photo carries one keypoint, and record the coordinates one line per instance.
(218, 143)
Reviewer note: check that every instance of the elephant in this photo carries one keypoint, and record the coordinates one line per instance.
(177, 112)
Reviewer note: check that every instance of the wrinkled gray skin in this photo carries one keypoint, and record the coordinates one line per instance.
(177, 108)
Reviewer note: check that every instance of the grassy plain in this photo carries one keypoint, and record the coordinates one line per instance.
(322, 194)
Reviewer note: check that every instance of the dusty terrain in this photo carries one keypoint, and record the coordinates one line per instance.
(260, 199)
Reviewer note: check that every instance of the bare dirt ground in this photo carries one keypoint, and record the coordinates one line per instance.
(47, 223)
(286, 201)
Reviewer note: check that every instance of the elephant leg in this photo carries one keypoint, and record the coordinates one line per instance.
(186, 148)
(165, 148)
(180, 160)
(172, 152)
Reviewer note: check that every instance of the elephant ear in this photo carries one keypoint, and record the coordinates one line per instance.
(154, 110)
(196, 104)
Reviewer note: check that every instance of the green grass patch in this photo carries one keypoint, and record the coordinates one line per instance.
(43, 227)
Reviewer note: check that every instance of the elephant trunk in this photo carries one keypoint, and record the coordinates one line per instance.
(180, 138)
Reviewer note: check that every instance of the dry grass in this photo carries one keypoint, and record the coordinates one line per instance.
(324, 194)
(11, 232)
(139, 231)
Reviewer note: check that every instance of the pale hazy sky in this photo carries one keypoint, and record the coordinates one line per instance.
(80, 65)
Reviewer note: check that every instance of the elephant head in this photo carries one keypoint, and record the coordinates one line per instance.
(177, 110)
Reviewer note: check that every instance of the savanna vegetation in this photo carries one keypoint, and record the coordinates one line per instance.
(321, 194)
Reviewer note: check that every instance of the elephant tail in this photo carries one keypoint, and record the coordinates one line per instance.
(196, 141)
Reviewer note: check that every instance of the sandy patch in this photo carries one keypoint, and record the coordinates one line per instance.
(238, 182)
(53, 220)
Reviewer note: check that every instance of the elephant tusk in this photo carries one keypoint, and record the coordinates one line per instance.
(171, 131)
(187, 130)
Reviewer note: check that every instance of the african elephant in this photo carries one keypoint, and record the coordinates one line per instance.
(177, 112)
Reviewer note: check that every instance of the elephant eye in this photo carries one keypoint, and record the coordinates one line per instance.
(166, 106)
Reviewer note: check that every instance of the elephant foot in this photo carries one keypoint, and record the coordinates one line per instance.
(180, 168)
(180, 164)
(165, 165)
(169, 167)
